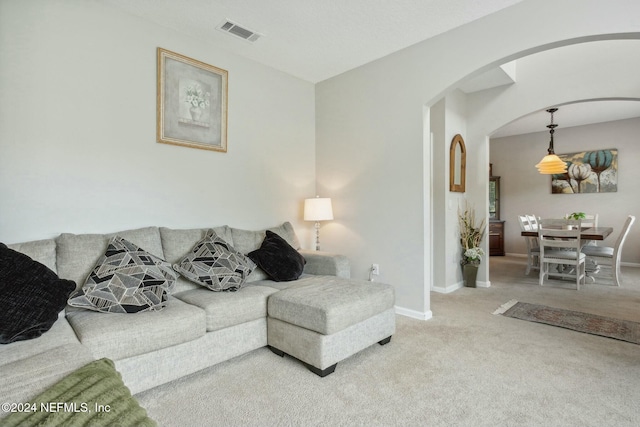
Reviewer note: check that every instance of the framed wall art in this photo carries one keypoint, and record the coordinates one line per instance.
(457, 164)
(191, 102)
(587, 172)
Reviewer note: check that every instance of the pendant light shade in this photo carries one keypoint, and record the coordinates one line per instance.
(551, 163)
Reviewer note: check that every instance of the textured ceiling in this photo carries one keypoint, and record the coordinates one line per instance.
(314, 39)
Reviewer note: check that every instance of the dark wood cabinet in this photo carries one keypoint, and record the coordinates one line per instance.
(496, 237)
(496, 225)
(494, 197)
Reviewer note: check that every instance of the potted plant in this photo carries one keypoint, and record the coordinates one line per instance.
(470, 237)
(575, 215)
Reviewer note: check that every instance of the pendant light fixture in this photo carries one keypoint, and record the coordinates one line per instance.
(551, 164)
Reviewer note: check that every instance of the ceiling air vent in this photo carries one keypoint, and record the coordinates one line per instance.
(238, 31)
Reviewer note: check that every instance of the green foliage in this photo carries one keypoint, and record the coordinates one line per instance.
(576, 215)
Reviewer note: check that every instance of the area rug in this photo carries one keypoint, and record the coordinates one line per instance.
(623, 330)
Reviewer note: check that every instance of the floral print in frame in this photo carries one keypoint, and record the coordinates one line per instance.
(587, 172)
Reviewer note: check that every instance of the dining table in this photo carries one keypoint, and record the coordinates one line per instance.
(587, 235)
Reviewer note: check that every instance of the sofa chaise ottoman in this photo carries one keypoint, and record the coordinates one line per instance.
(325, 320)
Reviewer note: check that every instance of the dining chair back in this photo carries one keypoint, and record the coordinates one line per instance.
(560, 246)
(533, 221)
(590, 221)
(611, 256)
(533, 249)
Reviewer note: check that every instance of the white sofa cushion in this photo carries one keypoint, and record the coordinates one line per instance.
(60, 334)
(246, 241)
(118, 336)
(77, 254)
(43, 251)
(25, 378)
(225, 309)
(176, 243)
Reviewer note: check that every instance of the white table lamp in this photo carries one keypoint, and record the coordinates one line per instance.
(318, 209)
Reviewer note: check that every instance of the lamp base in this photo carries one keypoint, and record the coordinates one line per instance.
(317, 235)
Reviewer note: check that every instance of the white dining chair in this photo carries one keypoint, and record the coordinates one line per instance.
(610, 256)
(589, 221)
(533, 249)
(560, 245)
(533, 221)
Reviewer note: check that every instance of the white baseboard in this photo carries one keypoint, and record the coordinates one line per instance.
(413, 313)
(456, 286)
(480, 284)
(447, 289)
(630, 264)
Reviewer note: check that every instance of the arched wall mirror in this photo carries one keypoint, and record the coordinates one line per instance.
(457, 164)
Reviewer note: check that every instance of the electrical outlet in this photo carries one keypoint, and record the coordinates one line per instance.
(375, 269)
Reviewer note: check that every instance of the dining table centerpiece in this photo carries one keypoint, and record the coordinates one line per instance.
(471, 234)
(575, 216)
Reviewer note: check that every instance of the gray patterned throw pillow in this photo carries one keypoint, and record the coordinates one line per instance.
(126, 279)
(215, 264)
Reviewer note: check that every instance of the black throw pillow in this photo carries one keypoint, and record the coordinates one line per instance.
(278, 259)
(31, 296)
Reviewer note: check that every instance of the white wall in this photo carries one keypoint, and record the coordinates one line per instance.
(455, 122)
(449, 121)
(439, 193)
(371, 139)
(523, 191)
(78, 149)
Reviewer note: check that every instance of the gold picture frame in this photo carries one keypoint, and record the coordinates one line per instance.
(457, 164)
(191, 102)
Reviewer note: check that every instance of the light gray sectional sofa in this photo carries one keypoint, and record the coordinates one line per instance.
(322, 317)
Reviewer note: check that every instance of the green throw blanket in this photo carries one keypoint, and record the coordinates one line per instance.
(93, 395)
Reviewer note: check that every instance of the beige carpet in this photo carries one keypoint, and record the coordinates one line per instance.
(464, 367)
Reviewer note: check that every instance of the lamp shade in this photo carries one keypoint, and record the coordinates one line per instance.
(318, 209)
(551, 164)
